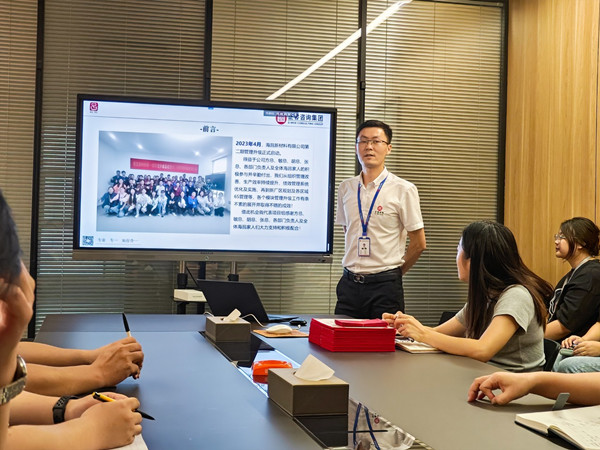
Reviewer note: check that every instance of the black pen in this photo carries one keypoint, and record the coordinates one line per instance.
(104, 398)
(126, 325)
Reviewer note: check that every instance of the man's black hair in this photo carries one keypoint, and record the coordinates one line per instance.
(376, 124)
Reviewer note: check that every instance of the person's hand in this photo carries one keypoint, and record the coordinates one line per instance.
(389, 318)
(571, 341)
(16, 308)
(113, 424)
(410, 327)
(76, 407)
(587, 348)
(118, 360)
(512, 385)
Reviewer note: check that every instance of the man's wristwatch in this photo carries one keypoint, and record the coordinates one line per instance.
(10, 391)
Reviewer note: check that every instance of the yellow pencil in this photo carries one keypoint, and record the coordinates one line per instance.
(104, 398)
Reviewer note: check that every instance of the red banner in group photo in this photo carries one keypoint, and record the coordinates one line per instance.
(163, 166)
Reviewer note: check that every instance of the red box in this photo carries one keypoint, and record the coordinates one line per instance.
(325, 333)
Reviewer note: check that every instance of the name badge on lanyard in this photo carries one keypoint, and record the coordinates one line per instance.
(364, 242)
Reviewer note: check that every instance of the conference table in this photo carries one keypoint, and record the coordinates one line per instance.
(201, 400)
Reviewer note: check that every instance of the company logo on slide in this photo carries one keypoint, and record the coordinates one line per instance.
(281, 118)
(94, 106)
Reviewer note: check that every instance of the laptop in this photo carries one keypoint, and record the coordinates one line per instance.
(225, 296)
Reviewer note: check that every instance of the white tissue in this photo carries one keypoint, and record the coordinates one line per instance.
(233, 316)
(314, 370)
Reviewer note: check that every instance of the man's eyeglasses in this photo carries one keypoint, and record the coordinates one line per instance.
(559, 237)
(365, 142)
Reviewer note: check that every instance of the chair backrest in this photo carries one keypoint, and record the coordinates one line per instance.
(551, 349)
(446, 315)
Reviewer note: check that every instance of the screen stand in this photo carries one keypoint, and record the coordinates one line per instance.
(233, 276)
(182, 279)
(201, 276)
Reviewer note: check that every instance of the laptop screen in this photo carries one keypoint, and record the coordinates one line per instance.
(225, 296)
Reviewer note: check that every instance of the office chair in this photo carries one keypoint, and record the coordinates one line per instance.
(446, 315)
(551, 349)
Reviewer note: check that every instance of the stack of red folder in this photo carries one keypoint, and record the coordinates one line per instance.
(352, 335)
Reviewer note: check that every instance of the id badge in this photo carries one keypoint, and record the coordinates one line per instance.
(364, 246)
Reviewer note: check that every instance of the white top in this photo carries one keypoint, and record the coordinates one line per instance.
(203, 201)
(395, 212)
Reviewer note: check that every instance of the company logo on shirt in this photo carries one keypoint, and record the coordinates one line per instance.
(379, 211)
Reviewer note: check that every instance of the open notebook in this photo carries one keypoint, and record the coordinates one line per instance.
(411, 346)
(579, 426)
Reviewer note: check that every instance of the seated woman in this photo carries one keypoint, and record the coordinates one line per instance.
(586, 353)
(575, 304)
(504, 317)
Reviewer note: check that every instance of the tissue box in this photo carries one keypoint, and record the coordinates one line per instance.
(306, 398)
(219, 331)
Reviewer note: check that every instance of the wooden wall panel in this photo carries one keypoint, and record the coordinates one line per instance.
(552, 120)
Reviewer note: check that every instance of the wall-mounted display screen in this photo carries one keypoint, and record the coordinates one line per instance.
(184, 180)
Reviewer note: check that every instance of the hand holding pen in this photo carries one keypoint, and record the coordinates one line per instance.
(111, 424)
(105, 398)
(126, 325)
(118, 360)
(128, 332)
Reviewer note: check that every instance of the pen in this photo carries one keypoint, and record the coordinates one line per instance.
(126, 325)
(104, 398)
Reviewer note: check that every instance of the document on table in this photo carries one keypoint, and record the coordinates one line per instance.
(137, 444)
(415, 347)
(579, 426)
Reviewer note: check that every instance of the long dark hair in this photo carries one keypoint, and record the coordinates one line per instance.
(496, 265)
(10, 251)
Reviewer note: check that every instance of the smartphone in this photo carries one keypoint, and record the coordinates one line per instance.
(566, 351)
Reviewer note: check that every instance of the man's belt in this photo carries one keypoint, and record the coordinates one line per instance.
(388, 275)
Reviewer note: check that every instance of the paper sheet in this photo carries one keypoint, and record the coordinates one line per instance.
(137, 444)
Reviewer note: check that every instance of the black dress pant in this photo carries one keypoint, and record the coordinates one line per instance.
(369, 300)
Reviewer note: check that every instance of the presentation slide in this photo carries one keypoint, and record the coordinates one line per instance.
(195, 177)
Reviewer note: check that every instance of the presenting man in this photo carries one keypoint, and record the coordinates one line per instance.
(377, 210)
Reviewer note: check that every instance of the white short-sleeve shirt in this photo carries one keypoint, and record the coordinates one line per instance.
(395, 212)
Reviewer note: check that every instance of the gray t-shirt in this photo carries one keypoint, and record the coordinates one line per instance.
(524, 351)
